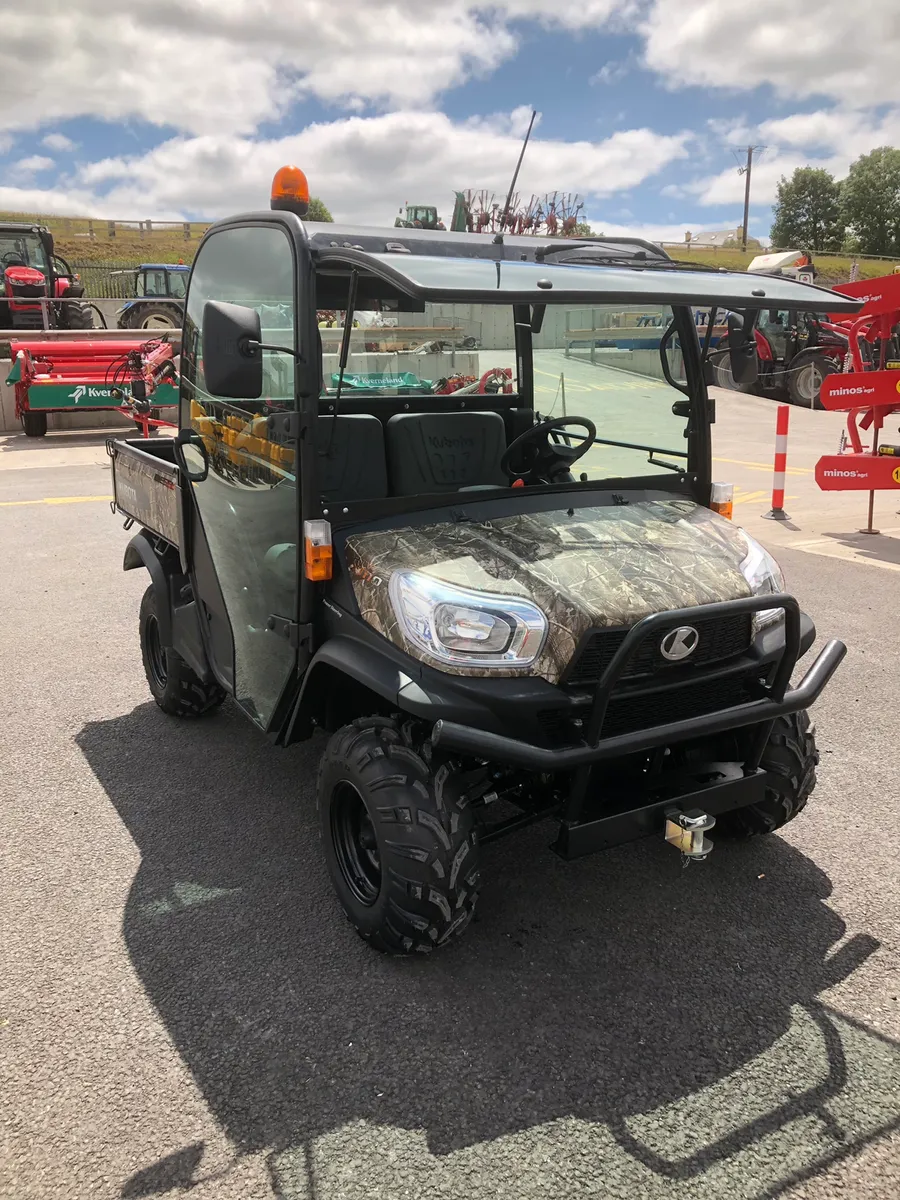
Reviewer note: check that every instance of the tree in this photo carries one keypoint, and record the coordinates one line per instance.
(318, 211)
(582, 229)
(808, 211)
(871, 201)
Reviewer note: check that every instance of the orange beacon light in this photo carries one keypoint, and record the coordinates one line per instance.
(290, 191)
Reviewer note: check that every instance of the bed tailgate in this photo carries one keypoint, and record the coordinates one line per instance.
(146, 484)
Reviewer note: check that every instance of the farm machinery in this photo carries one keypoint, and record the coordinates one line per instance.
(868, 390)
(158, 296)
(38, 289)
(136, 377)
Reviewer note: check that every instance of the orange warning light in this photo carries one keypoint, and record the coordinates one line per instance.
(290, 191)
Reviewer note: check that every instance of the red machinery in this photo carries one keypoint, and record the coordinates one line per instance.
(59, 376)
(868, 390)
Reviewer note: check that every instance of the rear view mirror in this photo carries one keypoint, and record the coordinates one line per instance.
(232, 357)
(742, 348)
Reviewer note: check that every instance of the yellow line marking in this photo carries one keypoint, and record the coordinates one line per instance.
(54, 500)
(739, 462)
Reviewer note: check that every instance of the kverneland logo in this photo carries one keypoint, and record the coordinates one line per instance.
(91, 393)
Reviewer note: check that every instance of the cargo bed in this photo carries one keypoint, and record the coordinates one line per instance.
(146, 485)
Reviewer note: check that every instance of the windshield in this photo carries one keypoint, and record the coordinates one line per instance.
(22, 250)
(602, 363)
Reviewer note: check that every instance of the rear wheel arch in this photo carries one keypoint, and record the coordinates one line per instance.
(140, 552)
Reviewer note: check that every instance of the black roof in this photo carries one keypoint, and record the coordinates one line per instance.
(444, 244)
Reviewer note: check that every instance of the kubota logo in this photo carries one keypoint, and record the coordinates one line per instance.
(91, 393)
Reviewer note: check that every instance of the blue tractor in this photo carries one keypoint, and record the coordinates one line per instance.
(159, 291)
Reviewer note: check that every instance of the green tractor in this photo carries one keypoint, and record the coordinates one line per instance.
(425, 216)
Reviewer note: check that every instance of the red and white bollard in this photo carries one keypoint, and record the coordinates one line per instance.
(781, 441)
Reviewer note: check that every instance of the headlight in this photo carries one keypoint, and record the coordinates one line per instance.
(469, 629)
(764, 575)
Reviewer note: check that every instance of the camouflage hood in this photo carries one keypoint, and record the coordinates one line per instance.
(598, 567)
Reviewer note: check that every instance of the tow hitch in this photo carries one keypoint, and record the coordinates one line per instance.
(685, 831)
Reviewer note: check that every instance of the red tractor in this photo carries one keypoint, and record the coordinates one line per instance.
(30, 271)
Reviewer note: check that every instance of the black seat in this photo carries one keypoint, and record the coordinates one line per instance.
(445, 452)
(351, 465)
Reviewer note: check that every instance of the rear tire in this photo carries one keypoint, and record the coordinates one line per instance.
(176, 688)
(75, 314)
(791, 757)
(805, 381)
(34, 423)
(399, 838)
(156, 316)
(722, 376)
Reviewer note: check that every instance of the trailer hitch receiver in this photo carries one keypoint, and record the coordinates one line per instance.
(686, 832)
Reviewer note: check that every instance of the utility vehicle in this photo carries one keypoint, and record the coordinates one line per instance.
(499, 612)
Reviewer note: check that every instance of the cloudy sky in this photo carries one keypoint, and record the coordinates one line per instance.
(184, 108)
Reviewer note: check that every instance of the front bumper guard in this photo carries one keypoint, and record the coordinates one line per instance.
(778, 700)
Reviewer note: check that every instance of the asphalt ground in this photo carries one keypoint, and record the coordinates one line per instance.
(184, 1008)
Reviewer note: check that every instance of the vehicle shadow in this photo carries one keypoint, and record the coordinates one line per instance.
(874, 547)
(601, 990)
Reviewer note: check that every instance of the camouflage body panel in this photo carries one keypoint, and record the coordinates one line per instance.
(600, 567)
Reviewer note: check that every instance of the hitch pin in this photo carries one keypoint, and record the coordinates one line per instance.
(685, 831)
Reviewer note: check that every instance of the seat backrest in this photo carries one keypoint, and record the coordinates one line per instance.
(351, 463)
(443, 452)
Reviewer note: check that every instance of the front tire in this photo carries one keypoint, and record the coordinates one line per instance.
(34, 424)
(791, 758)
(176, 688)
(399, 838)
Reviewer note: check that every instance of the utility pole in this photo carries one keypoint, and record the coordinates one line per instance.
(746, 172)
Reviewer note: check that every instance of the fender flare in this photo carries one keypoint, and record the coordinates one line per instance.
(140, 553)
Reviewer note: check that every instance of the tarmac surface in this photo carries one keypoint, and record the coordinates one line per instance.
(184, 1008)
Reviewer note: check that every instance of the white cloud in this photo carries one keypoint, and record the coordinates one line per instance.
(829, 138)
(233, 64)
(363, 168)
(33, 165)
(848, 52)
(610, 73)
(58, 142)
(651, 231)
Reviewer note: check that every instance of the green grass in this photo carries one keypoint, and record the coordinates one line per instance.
(832, 268)
(73, 241)
(128, 248)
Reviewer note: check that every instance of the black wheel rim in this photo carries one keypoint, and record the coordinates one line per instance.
(355, 846)
(156, 658)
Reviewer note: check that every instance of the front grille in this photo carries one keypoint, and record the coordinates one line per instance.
(643, 711)
(720, 638)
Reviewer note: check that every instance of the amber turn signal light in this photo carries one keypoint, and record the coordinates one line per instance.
(721, 499)
(318, 552)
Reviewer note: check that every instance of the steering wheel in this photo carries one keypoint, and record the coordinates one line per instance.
(12, 259)
(539, 455)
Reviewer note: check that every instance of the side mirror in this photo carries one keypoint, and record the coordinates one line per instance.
(742, 349)
(191, 455)
(232, 358)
